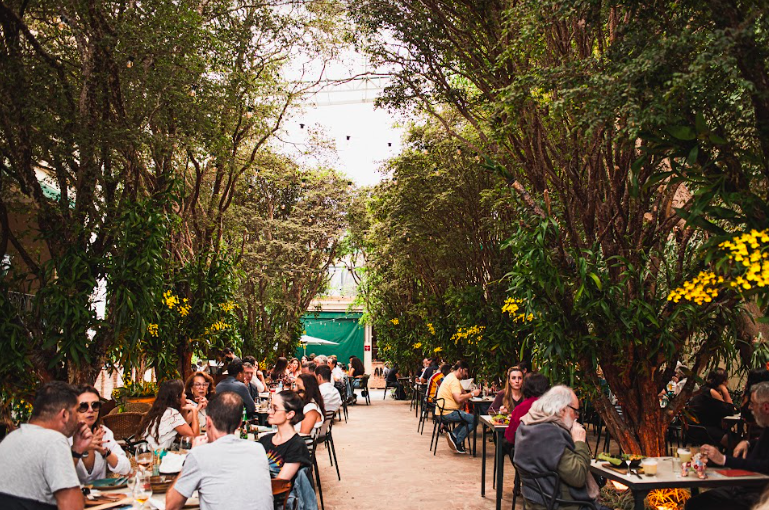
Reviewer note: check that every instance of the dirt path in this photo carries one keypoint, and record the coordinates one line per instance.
(385, 463)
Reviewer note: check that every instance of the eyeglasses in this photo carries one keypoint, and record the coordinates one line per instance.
(275, 409)
(202, 384)
(575, 409)
(83, 407)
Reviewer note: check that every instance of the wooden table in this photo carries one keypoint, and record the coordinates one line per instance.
(499, 456)
(669, 478)
(480, 406)
(156, 500)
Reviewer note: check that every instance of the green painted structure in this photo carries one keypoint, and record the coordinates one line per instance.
(340, 327)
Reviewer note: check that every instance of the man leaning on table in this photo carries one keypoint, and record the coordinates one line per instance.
(37, 470)
(228, 472)
(745, 456)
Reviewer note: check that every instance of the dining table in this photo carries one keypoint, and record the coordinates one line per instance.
(498, 430)
(480, 407)
(668, 476)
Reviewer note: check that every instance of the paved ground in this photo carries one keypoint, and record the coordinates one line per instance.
(385, 463)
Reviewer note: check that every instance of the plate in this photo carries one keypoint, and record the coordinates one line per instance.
(110, 483)
(105, 497)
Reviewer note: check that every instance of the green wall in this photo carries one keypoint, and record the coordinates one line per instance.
(340, 327)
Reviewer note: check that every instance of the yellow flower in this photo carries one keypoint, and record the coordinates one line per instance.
(395, 321)
(438, 349)
(431, 328)
(152, 329)
(417, 345)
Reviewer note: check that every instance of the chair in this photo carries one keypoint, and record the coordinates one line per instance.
(438, 423)
(311, 444)
(123, 425)
(390, 384)
(534, 483)
(280, 491)
(427, 408)
(363, 386)
(327, 439)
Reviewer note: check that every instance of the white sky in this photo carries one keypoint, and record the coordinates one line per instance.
(342, 111)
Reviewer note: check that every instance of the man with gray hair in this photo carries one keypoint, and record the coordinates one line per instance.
(550, 440)
(745, 456)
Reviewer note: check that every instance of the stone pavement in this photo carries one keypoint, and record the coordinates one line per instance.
(386, 464)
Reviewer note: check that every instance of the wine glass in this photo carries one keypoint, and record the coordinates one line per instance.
(144, 456)
(142, 488)
(185, 445)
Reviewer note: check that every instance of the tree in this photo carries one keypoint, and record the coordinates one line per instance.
(559, 94)
(156, 106)
(292, 219)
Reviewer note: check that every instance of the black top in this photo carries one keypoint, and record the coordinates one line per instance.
(709, 411)
(429, 372)
(757, 458)
(293, 450)
(392, 375)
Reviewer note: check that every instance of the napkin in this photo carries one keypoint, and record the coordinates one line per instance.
(172, 463)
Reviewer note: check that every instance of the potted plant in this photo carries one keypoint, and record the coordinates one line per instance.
(140, 391)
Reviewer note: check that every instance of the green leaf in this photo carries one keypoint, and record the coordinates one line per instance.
(596, 280)
(685, 133)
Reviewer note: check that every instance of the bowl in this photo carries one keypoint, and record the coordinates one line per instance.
(160, 484)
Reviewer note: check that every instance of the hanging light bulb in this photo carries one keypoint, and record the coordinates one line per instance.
(301, 126)
(193, 90)
(63, 22)
(348, 138)
(130, 62)
(249, 112)
(389, 144)
(283, 207)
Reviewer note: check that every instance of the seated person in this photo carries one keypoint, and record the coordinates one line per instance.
(393, 382)
(37, 469)
(227, 472)
(751, 457)
(755, 376)
(103, 453)
(550, 440)
(708, 408)
(331, 398)
(534, 386)
(511, 396)
(430, 369)
(235, 382)
(199, 389)
(454, 397)
(164, 420)
(436, 379)
(308, 389)
(286, 450)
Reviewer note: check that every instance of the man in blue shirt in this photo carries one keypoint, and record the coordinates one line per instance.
(234, 383)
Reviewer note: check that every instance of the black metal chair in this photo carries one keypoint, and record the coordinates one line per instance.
(391, 384)
(327, 439)
(311, 444)
(439, 424)
(534, 483)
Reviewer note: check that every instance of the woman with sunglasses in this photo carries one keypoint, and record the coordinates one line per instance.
(164, 420)
(103, 453)
(199, 390)
(286, 450)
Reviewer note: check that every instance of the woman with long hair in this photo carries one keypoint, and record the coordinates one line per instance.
(199, 390)
(279, 372)
(356, 367)
(314, 410)
(286, 450)
(708, 408)
(164, 420)
(294, 368)
(512, 395)
(104, 454)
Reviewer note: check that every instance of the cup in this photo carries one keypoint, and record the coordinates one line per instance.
(650, 467)
(685, 455)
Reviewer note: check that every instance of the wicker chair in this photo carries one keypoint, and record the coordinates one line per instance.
(123, 425)
(132, 407)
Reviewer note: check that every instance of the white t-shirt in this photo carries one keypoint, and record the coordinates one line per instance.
(100, 465)
(166, 431)
(228, 473)
(36, 463)
(258, 383)
(331, 398)
(337, 374)
(312, 406)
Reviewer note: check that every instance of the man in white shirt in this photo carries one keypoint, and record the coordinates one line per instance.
(227, 472)
(38, 466)
(337, 374)
(331, 398)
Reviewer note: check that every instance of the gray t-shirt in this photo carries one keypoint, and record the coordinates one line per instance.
(228, 473)
(36, 462)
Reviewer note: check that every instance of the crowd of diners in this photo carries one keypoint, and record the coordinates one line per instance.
(545, 434)
(64, 446)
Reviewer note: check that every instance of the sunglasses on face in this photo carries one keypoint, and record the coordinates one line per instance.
(83, 407)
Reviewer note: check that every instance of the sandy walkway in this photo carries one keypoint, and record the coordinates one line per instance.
(385, 463)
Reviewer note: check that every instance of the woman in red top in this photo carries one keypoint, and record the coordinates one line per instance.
(534, 386)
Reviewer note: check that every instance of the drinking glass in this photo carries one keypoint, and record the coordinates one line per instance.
(185, 445)
(144, 456)
(142, 488)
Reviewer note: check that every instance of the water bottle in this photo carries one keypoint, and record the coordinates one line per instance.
(280, 387)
